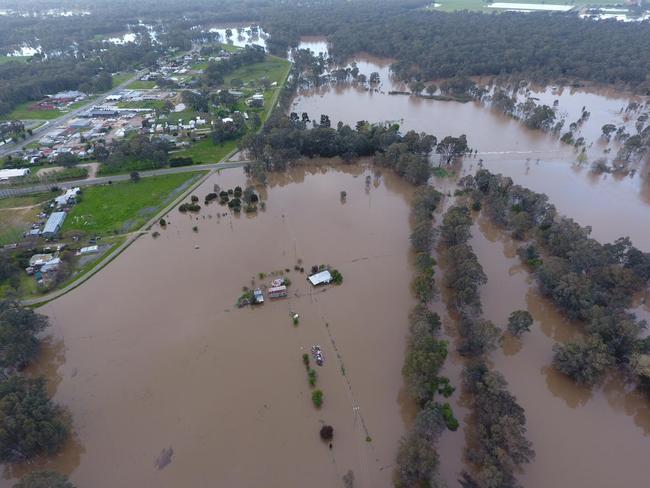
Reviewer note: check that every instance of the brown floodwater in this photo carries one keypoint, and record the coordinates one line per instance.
(612, 205)
(169, 384)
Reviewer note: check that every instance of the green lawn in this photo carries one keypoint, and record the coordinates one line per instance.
(141, 85)
(20, 59)
(205, 151)
(23, 112)
(273, 68)
(124, 206)
(120, 78)
(229, 47)
(26, 200)
(184, 115)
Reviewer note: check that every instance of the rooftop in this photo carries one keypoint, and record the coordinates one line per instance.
(321, 278)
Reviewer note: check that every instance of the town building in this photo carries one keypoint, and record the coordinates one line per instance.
(7, 174)
(277, 292)
(54, 224)
(68, 197)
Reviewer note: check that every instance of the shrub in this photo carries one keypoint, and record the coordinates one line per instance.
(317, 398)
(448, 415)
(176, 162)
(337, 277)
(162, 222)
(305, 359)
(311, 374)
(194, 198)
(327, 433)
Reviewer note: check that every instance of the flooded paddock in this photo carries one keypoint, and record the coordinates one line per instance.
(169, 384)
(611, 204)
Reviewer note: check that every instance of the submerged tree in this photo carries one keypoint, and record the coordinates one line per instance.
(519, 322)
(585, 362)
(19, 327)
(44, 479)
(30, 423)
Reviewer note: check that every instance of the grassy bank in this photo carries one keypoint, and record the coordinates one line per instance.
(141, 85)
(206, 151)
(125, 206)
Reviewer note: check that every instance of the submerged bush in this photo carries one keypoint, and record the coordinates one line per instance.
(317, 398)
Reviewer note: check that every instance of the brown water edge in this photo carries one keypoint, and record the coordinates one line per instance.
(151, 354)
(597, 438)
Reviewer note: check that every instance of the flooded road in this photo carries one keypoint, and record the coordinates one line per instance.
(610, 204)
(169, 384)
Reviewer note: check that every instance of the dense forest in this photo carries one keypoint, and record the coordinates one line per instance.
(425, 44)
(431, 45)
(23, 82)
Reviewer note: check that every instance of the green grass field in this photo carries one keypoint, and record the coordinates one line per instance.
(23, 112)
(206, 151)
(273, 68)
(26, 200)
(141, 85)
(231, 48)
(124, 206)
(20, 59)
(120, 78)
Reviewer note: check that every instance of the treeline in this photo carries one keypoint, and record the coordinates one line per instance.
(284, 139)
(24, 82)
(132, 154)
(497, 446)
(433, 45)
(586, 280)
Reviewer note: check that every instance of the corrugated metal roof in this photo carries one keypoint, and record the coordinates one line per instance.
(320, 278)
(54, 223)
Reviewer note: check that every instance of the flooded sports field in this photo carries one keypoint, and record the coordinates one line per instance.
(170, 384)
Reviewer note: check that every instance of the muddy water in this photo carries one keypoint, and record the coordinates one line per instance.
(573, 430)
(150, 354)
(611, 205)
